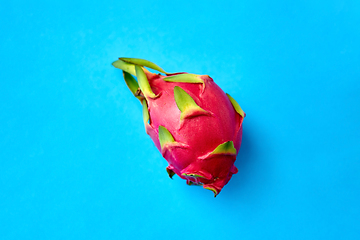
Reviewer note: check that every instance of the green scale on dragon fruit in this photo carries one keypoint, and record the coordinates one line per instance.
(196, 126)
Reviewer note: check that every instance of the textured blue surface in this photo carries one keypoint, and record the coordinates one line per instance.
(75, 162)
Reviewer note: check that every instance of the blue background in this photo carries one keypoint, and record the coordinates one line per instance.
(75, 162)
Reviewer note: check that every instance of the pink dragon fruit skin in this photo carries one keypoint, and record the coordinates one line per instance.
(196, 126)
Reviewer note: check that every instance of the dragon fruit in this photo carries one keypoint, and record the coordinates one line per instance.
(196, 126)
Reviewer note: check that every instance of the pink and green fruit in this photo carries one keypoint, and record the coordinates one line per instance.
(196, 126)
